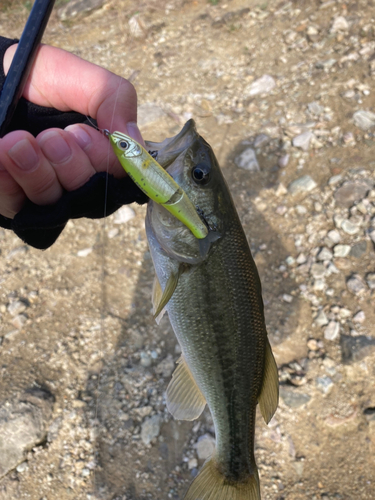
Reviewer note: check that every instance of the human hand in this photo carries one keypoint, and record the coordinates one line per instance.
(41, 168)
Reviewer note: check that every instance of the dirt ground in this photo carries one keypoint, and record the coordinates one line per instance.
(75, 320)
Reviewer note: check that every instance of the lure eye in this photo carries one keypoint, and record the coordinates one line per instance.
(201, 173)
(123, 145)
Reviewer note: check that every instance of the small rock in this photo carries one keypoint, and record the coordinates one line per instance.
(324, 383)
(341, 250)
(247, 160)
(301, 185)
(123, 215)
(332, 331)
(318, 271)
(356, 285)
(262, 85)
(24, 424)
(301, 210)
(84, 252)
(352, 191)
(281, 190)
(339, 24)
(335, 179)
(150, 428)
(205, 446)
(334, 236)
(303, 140)
(166, 367)
(356, 348)
(75, 7)
(359, 317)
(349, 227)
(319, 285)
(192, 463)
(370, 279)
(358, 249)
(312, 344)
(364, 119)
(261, 140)
(22, 467)
(19, 320)
(146, 360)
(283, 161)
(321, 319)
(301, 259)
(315, 108)
(324, 254)
(287, 298)
(292, 398)
(344, 313)
(17, 307)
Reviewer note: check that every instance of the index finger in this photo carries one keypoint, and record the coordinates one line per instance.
(66, 82)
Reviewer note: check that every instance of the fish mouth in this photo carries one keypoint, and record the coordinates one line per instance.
(167, 151)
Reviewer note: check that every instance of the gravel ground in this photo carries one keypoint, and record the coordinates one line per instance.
(284, 93)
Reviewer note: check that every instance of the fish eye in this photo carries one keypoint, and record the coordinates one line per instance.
(123, 145)
(201, 173)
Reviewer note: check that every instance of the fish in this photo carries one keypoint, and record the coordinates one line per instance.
(214, 304)
(156, 183)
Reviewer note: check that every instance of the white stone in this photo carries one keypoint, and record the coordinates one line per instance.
(205, 446)
(248, 160)
(324, 254)
(303, 184)
(348, 227)
(364, 119)
(341, 250)
(150, 428)
(339, 24)
(262, 85)
(359, 317)
(334, 236)
(123, 215)
(303, 140)
(332, 331)
(84, 252)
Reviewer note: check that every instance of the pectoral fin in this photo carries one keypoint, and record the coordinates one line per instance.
(157, 294)
(269, 396)
(184, 398)
(165, 297)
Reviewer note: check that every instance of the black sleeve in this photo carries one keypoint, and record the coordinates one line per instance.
(40, 226)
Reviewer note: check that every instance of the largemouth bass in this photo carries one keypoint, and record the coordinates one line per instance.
(215, 306)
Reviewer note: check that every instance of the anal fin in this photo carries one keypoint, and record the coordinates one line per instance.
(185, 401)
(269, 396)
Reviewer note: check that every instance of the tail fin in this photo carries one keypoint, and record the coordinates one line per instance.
(210, 484)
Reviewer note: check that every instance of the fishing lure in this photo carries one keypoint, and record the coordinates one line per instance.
(156, 183)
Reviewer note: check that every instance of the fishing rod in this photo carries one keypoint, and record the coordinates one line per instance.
(22, 61)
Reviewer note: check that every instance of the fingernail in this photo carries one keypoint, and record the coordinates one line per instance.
(24, 155)
(81, 136)
(55, 147)
(133, 131)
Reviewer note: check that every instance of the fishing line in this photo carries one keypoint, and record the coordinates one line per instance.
(102, 246)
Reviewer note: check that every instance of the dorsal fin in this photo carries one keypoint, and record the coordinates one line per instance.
(269, 396)
(184, 399)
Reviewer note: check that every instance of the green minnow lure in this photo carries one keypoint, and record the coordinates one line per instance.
(156, 183)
